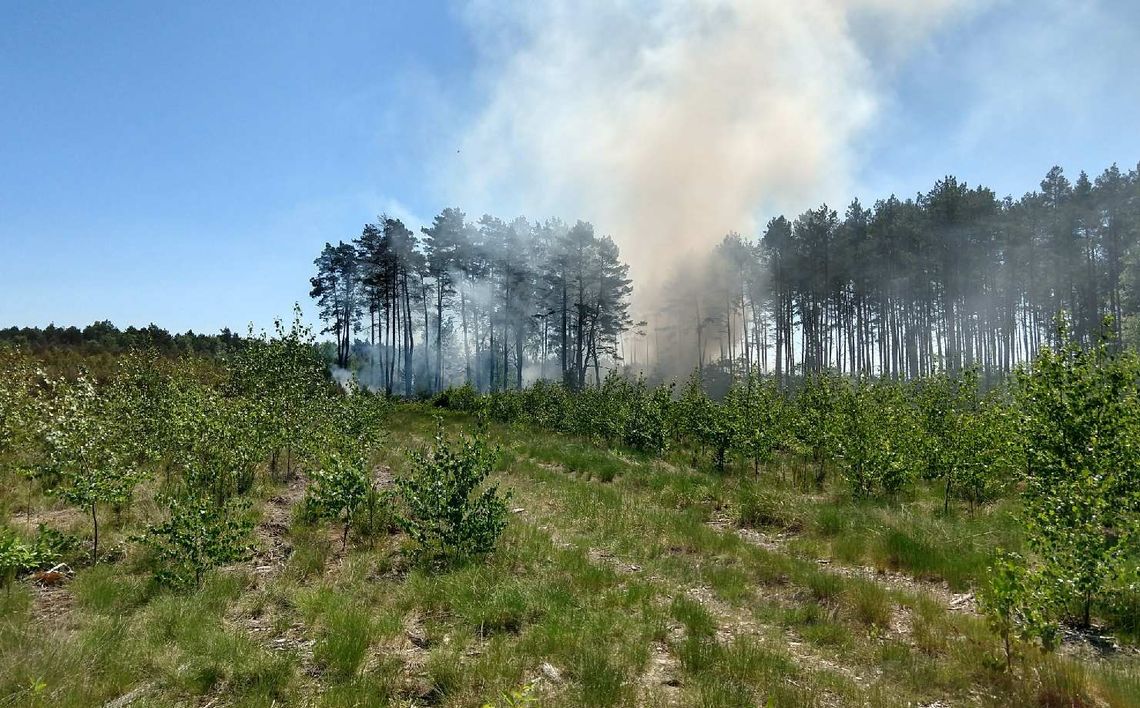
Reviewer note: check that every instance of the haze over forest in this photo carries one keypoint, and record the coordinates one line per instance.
(952, 279)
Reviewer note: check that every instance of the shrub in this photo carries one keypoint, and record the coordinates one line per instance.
(876, 439)
(88, 453)
(198, 535)
(817, 419)
(546, 405)
(459, 398)
(342, 486)
(284, 380)
(1016, 604)
(15, 557)
(763, 417)
(706, 423)
(647, 423)
(338, 490)
(446, 515)
(968, 441)
(1081, 417)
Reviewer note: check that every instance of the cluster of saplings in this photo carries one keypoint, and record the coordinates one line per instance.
(194, 439)
(1063, 434)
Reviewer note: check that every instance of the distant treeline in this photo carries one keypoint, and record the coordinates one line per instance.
(105, 338)
(491, 302)
(946, 280)
(952, 278)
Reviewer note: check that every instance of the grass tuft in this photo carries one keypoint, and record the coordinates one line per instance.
(346, 634)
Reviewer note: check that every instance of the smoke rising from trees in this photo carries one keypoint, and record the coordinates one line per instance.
(670, 124)
(950, 279)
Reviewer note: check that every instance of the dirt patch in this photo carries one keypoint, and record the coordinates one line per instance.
(273, 546)
(775, 542)
(66, 518)
(265, 621)
(383, 477)
(412, 647)
(1093, 644)
(52, 605)
(1086, 645)
(659, 684)
(807, 656)
(731, 622)
(962, 603)
(902, 621)
(129, 697)
(601, 556)
(272, 624)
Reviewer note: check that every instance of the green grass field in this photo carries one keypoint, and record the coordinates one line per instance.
(620, 580)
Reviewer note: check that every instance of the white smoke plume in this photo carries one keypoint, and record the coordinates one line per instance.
(671, 123)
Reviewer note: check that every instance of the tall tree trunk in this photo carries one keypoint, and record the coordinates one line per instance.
(463, 317)
(439, 335)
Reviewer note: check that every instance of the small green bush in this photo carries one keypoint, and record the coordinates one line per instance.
(445, 514)
(338, 490)
(18, 557)
(15, 557)
(463, 398)
(198, 535)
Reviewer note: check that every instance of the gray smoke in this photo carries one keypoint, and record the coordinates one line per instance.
(669, 124)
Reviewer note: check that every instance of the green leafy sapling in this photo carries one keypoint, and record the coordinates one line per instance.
(285, 381)
(875, 440)
(446, 513)
(763, 419)
(1017, 604)
(646, 425)
(1081, 421)
(710, 425)
(197, 535)
(339, 489)
(88, 452)
(342, 483)
(818, 420)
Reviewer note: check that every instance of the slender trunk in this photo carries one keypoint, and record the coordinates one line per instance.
(409, 341)
(466, 348)
(427, 338)
(493, 355)
(519, 357)
(563, 334)
(439, 335)
(545, 334)
(95, 528)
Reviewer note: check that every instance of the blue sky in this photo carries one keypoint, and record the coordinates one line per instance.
(183, 163)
